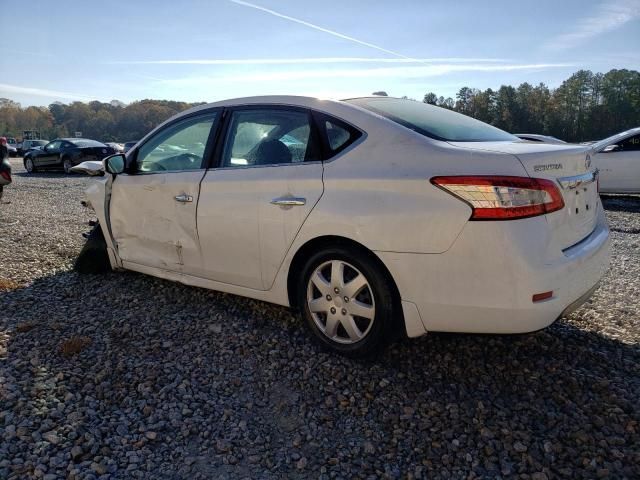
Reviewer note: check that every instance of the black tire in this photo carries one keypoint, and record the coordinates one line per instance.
(93, 257)
(67, 164)
(33, 166)
(384, 326)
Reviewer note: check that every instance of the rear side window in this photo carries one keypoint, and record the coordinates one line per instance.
(336, 135)
(432, 121)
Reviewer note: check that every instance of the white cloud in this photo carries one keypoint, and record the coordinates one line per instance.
(317, 27)
(607, 16)
(309, 60)
(41, 92)
(403, 72)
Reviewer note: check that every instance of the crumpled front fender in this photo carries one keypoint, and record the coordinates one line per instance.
(98, 196)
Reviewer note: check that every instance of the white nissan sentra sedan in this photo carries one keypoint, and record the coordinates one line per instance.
(375, 217)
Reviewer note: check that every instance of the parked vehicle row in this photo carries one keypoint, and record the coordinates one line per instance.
(375, 217)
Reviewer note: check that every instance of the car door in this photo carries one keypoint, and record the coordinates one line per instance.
(253, 203)
(619, 165)
(49, 155)
(153, 206)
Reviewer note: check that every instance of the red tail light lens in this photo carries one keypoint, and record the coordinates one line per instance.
(6, 176)
(502, 197)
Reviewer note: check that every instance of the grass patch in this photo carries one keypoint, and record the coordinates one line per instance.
(7, 285)
(74, 345)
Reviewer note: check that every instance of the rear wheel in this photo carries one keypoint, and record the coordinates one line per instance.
(93, 257)
(347, 302)
(28, 165)
(66, 165)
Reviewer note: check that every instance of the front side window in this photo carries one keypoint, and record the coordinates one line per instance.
(55, 145)
(269, 137)
(179, 146)
(434, 122)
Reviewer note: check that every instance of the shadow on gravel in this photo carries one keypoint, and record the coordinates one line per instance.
(621, 203)
(234, 387)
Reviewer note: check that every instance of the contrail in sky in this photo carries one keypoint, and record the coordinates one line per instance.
(318, 27)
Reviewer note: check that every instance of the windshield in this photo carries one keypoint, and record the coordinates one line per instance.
(432, 121)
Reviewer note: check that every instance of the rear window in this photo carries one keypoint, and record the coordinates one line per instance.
(432, 121)
(88, 143)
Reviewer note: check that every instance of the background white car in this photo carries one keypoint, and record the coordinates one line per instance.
(376, 217)
(618, 160)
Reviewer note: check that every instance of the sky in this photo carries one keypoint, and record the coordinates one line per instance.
(208, 50)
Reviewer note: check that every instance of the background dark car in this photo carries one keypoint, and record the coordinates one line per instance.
(27, 145)
(12, 146)
(5, 174)
(64, 153)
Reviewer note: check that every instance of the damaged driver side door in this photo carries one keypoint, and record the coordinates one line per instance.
(153, 205)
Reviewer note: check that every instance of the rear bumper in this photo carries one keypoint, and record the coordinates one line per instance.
(485, 282)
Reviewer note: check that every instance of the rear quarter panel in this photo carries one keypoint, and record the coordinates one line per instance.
(379, 192)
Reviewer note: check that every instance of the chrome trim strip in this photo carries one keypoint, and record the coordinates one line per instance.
(289, 201)
(571, 183)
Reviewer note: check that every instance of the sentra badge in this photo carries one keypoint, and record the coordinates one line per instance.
(549, 166)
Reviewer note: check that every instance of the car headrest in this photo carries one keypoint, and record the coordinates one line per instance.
(271, 152)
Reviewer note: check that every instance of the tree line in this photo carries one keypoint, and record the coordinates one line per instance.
(586, 106)
(113, 121)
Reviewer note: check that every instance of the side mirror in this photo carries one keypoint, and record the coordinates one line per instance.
(114, 164)
(611, 148)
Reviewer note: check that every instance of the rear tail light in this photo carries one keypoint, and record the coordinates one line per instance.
(503, 198)
(6, 176)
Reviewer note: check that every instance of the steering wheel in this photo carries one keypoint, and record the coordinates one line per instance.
(191, 157)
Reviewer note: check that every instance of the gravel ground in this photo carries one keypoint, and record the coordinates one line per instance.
(127, 376)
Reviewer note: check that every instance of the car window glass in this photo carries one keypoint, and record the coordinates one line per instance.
(432, 121)
(54, 145)
(179, 146)
(268, 137)
(631, 144)
(337, 136)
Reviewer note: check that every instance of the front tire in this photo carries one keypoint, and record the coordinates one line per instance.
(347, 301)
(29, 165)
(93, 257)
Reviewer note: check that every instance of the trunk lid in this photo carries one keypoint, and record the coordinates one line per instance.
(569, 166)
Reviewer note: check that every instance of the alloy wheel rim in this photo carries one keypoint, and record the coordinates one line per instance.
(341, 302)
(67, 166)
(29, 165)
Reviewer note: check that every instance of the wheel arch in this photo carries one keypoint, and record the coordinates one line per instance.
(326, 241)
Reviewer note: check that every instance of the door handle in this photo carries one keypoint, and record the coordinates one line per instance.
(289, 201)
(184, 198)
